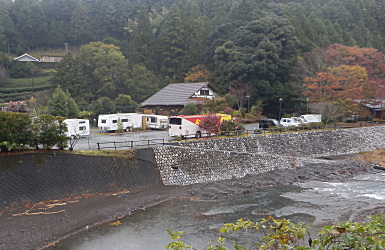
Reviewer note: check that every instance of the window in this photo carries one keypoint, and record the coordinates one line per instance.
(125, 120)
(104, 121)
(82, 122)
(114, 121)
(82, 128)
(176, 121)
(204, 92)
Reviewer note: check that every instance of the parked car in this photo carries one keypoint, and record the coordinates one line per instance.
(299, 120)
(287, 122)
(268, 123)
(312, 118)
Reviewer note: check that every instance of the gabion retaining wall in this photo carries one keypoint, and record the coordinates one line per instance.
(303, 144)
(210, 160)
(32, 178)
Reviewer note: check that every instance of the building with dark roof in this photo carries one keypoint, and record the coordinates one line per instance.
(171, 99)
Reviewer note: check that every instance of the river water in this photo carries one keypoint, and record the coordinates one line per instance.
(316, 203)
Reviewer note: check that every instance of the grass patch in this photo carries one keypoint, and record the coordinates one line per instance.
(107, 153)
(376, 156)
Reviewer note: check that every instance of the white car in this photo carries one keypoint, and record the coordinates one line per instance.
(287, 122)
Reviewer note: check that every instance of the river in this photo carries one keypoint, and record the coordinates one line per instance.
(313, 202)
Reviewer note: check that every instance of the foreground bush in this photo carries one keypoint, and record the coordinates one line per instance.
(19, 130)
(283, 234)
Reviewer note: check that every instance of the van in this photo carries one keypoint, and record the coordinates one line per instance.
(268, 123)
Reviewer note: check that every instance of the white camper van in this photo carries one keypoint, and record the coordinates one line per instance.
(129, 121)
(77, 127)
(155, 121)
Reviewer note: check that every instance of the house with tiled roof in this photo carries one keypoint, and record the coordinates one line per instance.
(26, 58)
(171, 99)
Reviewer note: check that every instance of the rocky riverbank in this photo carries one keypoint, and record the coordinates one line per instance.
(43, 224)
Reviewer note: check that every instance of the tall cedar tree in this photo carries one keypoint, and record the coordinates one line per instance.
(173, 44)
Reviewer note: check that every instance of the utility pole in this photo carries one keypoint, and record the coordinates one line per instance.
(66, 44)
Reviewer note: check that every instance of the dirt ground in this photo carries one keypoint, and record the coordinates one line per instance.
(44, 224)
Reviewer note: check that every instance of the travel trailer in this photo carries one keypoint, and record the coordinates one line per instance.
(77, 128)
(111, 122)
(188, 125)
(155, 121)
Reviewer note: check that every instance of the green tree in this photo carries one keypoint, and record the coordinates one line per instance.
(124, 104)
(199, 30)
(9, 36)
(173, 44)
(103, 105)
(58, 14)
(81, 23)
(61, 104)
(70, 77)
(105, 69)
(189, 109)
(15, 131)
(215, 105)
(49, 131)
(142, 41)
(263, 52)
(141, 83)
(21, 69)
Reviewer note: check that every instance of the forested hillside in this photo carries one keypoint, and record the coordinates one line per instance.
(135, 47)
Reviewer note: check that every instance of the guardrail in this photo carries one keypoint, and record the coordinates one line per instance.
(131, 144)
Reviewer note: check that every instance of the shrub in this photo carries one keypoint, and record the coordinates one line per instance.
(283, 234)
(228, 110)
(317, 125)
(210, 123)
(228, 126)
(18, 106)
(189, 109)
(237, 113)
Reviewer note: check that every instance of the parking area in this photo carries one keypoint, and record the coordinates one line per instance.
(128, 139)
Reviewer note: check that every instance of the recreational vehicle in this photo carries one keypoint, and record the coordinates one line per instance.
(188, 125)
(77, 127)
(155, 121)
(127, 121)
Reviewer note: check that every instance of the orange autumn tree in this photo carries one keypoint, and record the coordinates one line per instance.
(353, 82)
(198, 73)
(321, 87)
(339, 83)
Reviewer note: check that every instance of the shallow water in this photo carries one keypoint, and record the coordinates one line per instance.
(312, 202)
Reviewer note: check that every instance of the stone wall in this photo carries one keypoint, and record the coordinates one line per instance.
(302, 144)
(210, 160)
(31, 178)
